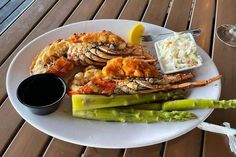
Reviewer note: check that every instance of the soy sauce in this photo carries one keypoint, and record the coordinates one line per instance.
(41, 90)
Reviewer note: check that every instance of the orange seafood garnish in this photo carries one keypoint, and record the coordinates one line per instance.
(96, 86)
(98, 37)
(61, 67)
(129, 67)
(101, 36)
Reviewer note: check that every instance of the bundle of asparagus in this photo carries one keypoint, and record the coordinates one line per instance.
(102, 107)
(145, 108)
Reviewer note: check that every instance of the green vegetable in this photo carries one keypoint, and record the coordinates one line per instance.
(188, 104)
(87, 102)
(133, 115)
(148, 106)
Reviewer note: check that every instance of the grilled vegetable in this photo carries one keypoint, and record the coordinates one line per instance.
(87, 102)
(188, 104)
(145, 106)
(131, 115)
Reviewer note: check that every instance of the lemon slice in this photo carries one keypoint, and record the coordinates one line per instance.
(136, 33)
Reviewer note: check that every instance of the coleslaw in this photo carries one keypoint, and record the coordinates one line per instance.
(178, 52)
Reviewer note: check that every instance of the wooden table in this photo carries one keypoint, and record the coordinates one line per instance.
(18, 138)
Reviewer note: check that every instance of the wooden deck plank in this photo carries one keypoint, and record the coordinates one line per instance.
(86, 10)
(58, 148)
(17, 13)
(110, 9)
(99, 152)
(3, 3)
(224, 58)
(19, 29)
(185, 146)
(49, 22)
(133, 10)
(156, 12)
(222, 53)
(179, 14)
(29, 142)
(9, 8)
(205, 23)
(10, 122)
(150, 151)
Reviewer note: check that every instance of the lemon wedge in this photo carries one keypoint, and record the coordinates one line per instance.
(136, 33)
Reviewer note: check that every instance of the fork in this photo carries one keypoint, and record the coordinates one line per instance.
(147, 38)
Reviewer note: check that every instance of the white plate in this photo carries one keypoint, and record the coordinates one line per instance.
(62, 125)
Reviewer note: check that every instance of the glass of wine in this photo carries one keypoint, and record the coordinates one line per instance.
(227, 34)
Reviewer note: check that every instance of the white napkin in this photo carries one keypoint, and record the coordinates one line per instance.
(226, 130)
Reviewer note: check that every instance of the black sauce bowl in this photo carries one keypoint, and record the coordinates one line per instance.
(41, 93)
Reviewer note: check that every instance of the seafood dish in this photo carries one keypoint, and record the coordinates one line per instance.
(109, 79)
(84, 49)
(109, 66)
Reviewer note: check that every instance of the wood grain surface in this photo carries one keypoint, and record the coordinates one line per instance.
(179, 15)
(28, 142)
(14, 15)
(205, 23)
(149, 151)
(156, 12)
(16, 33)
(133, 9)
(9, 8)
(85, 11)
(58, 148)
(21, 139)
(185, 146)
(110, 9)
(224, 58)
(3, 3)
(100, 152)
(10, 122)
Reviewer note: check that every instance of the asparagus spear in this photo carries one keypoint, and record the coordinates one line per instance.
(131, 115)
(86, 102)
(188, 104)
(146, 106)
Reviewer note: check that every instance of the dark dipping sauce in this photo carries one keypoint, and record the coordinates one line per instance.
(41, 90)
